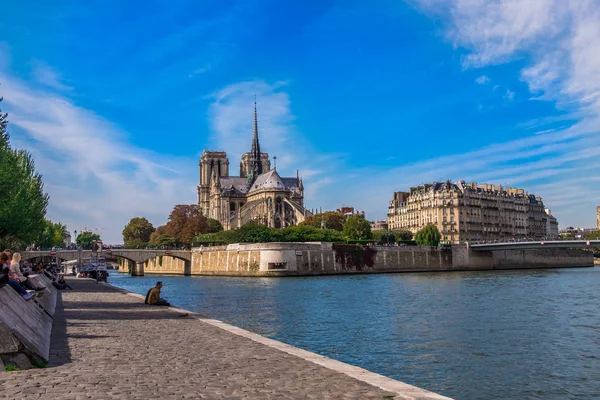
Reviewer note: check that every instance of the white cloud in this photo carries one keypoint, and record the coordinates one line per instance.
(556, 40)
(232, 118)
(510, 95)
(46, 75)
(199, 71)
(483, 80)
(94, 177)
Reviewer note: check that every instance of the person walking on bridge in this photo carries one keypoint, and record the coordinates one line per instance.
(153, 296)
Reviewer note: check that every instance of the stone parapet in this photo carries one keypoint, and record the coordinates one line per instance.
(25, 326)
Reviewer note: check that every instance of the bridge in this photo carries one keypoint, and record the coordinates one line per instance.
(541, 244)
(136, 256)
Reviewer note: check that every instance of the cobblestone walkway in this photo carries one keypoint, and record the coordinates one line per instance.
(108, 345)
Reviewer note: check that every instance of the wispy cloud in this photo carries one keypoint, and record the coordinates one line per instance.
(95, 178)
(47, 76)
(199, 71)
(483, 80)
(510, 95)
(231, 120)
(555, 37)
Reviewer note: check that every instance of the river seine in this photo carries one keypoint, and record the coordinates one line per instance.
(469, 335)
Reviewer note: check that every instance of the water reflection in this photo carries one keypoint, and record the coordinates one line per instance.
(470, 335)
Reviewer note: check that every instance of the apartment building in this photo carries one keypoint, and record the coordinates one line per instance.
(470, 212)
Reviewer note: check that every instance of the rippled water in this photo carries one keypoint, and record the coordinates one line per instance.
(469, 335)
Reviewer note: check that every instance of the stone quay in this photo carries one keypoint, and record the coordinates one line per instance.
(107, 344)
(295, 259)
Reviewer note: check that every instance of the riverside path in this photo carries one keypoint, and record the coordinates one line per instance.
(106, 344)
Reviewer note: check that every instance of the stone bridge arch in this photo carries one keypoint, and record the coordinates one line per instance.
(139, 258)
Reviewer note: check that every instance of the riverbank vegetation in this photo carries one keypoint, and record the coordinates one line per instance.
(185, 223)
(354, 229)
(24, 202)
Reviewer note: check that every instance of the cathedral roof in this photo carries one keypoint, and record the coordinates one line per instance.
(234, 183)
(268, 180)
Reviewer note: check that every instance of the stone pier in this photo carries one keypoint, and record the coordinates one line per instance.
(106, 344)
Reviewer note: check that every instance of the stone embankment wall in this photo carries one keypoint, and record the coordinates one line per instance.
(285, 259)
(159, 265)
(26, 326)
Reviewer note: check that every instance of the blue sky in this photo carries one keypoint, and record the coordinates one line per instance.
(117, 100)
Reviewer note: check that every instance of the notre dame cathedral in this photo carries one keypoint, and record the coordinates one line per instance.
(258, 194)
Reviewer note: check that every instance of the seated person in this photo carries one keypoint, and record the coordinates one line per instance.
(61, 284)
(16, 275)
(4, 278)
(153, 296)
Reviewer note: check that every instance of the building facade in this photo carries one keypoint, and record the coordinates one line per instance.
(471, 212)
(258, 194)
(598, 218)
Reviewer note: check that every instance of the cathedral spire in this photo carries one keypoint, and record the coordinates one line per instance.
(256, 161)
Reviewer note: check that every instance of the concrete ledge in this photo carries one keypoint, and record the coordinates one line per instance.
(27, 321)
(47, 298)
(402, 390)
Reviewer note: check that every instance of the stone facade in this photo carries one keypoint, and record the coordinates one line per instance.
(259, 194)
(470, 212)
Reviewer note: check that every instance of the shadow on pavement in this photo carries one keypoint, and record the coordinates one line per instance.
(60, 353)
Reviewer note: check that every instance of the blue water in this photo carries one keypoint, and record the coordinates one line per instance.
(469, 335)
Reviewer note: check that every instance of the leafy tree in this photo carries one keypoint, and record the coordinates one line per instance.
(186, 222)
(160, 238)
(428, 236)
(53, 234)
(403, 235)
(357, 227)
(85, 240)
(24, 202)
(213, 226)
(384, 237)
(136, 233)
(331, 219)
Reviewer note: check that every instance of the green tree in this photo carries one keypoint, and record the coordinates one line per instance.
(357, 227)
(329, 220)
(136, 233)
(213, 226)
(384, 237)
(53, 234)
(24, 202)
(403, 235)
(428, 236)
(85, 240)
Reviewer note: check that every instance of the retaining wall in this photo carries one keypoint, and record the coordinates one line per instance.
(285, 259)
(26, 326)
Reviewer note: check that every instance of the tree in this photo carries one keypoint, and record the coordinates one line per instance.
(186, 222)
(384, 237)
(136, 233)
(24, 202)
(213, 226)
(403, 235)
(357, 227)
(53, 234)
(329, 220)
(85, 240)
(428, 236)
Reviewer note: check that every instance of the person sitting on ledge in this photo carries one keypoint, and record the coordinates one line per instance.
(16, 275)
(153, 296)
(61, 284)
(4, 278)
